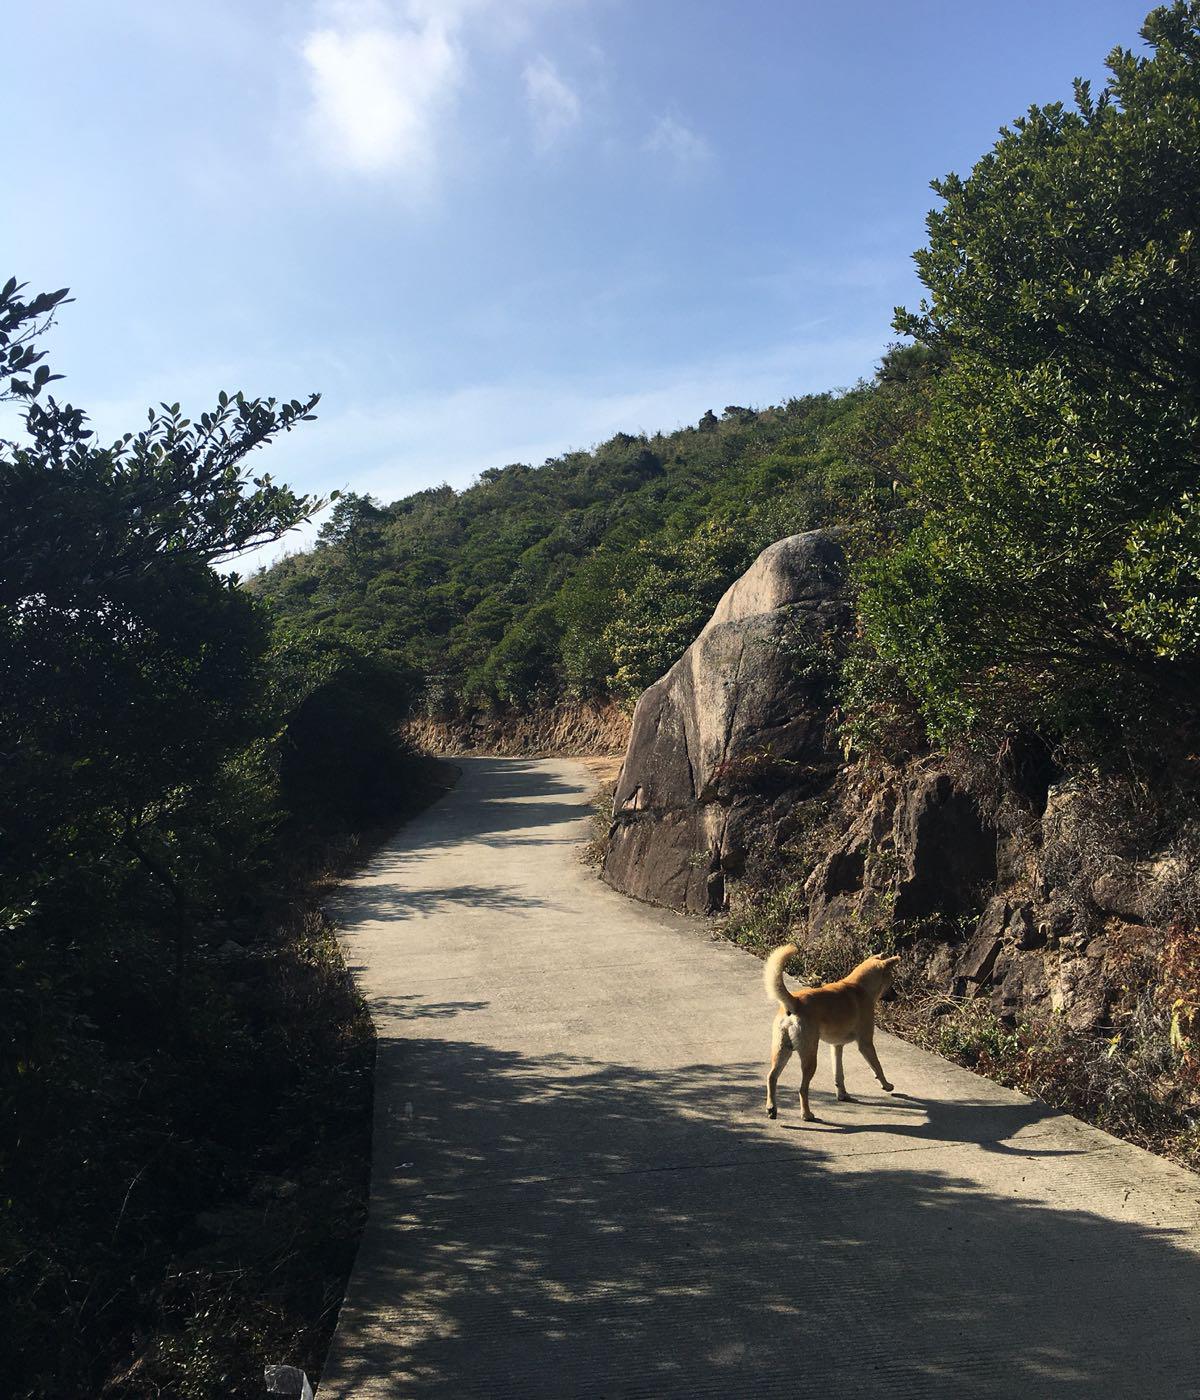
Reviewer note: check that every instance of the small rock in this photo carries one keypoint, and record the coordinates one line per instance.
(1024, 932)
(978, 957)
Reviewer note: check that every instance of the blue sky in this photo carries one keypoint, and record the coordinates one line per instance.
(492, 230)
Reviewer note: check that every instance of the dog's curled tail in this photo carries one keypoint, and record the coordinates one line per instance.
(773, 978)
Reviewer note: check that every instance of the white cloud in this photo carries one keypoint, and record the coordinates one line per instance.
(554, 106)
(384, 76)
(686, 149)
(380, 80)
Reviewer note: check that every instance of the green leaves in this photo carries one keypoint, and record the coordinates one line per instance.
(21, 322)
(1055, 565)
(129, 666)
(1156, 581)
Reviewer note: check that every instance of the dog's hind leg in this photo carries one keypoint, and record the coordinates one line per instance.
(839, 1076)
(867, 1047)
(781, 1053)
(808, 1067)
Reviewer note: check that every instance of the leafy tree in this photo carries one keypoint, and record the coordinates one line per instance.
(151, 739)
(585, 607)
(675, 587)
(1053, 573)
(128, 665)
(354, 525)
(521, 669)
(21, 323)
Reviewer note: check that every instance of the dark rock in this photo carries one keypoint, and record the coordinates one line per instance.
(1024, 930)
(733, 734)
(843, 872)
(1118, 891)
(1011, 853)
(979, 953)
(925, 848)
(1083, 995)
(1019, 982)
(948, 849)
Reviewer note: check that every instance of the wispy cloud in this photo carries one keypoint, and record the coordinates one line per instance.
(554, 106)
(380, 78)
(685, 149)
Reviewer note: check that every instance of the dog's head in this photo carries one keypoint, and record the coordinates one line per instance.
(881, 973)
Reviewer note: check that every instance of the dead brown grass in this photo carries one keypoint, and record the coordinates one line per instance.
(575, 730)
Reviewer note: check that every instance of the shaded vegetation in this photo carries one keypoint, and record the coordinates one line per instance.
(185, 1078)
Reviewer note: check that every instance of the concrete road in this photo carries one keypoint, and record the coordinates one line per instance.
(576, 1192)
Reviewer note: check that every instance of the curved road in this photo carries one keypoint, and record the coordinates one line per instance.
(575, 1191)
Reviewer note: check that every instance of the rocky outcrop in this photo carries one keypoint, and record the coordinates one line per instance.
(1027, 902)
(989, 911)
(735, 732)
(916, 847)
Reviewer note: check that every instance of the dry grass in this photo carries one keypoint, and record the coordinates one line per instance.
(1124, 1080)
(605, 770)
(575, 730)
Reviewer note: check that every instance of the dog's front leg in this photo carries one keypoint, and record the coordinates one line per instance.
(839, 1077)
(866, 1045)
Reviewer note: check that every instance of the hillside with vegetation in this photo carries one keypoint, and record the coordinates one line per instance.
(584, 578)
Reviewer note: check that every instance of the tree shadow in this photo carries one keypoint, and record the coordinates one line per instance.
(498, 801)
(560, 1227)
(415, 1008)
(394, 901)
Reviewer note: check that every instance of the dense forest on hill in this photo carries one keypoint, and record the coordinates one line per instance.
(587, 576)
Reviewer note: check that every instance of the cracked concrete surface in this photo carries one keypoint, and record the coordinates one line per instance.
(575, 1191)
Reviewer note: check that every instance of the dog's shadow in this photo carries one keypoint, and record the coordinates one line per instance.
(983, 1123)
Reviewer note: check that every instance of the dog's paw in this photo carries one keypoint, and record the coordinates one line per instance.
(846, 1098)
(772, 1112)
(883, 1084)
(810, 1117)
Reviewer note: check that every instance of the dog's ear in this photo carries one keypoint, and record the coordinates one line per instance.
(893, 960)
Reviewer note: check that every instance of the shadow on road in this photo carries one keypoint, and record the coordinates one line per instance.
(414, 1008)
(394, 901)
(557, 1227)
(520, 797)
(984, 1123)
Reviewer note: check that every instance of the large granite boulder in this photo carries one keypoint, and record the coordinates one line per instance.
(736, 731)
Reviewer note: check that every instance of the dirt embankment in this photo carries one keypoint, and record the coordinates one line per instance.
(566, 730)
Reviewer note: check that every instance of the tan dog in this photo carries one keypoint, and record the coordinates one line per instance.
(836, 1013)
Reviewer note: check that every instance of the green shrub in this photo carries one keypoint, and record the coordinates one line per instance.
(1050, 578)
